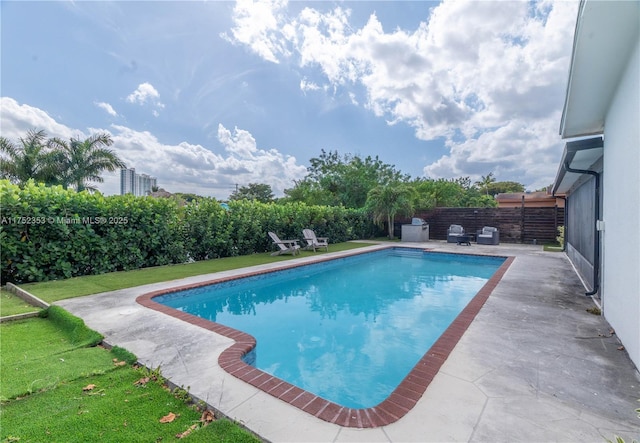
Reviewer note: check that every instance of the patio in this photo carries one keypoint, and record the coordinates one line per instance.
(532, 366)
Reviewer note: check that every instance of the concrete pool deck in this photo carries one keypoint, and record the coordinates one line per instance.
(532, 366)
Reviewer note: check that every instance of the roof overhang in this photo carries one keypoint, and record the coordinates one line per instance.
(579, 155)
(606, 33)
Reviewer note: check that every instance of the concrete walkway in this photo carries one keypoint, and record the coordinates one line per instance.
(534, 366)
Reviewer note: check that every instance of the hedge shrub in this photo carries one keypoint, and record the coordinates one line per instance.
(51, 233)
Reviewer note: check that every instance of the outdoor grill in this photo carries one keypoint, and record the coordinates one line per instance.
(417, 231)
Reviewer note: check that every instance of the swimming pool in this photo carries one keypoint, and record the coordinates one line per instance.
(352, 330)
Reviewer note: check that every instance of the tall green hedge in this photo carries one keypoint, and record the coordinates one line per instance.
(51, 233)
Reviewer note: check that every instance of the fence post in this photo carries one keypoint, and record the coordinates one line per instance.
(522, 220)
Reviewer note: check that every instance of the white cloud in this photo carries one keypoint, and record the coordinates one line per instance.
(521, 151)
(353, 98)
(253, 165)
(306, 85)
(470, 72)
(257, 25)
(17, 119)
(242, 144)
(146, 93)
(107, 107)
(182, 167)
(186, 167)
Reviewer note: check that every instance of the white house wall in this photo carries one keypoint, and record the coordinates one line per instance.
(621, 210)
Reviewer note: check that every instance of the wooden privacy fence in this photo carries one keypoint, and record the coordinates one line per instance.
(516, 225)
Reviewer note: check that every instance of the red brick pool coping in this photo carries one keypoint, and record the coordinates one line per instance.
(394, 407)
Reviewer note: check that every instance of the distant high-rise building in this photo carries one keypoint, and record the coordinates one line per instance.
(127, 181)
(145, 184)
(136, 184)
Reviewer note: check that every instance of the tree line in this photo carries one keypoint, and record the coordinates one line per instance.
(348, 181)
(74, 164)
(385, 192)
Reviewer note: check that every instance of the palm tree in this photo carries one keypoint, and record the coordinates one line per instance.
(29, 160)
(485, 182)
(387, 201)
(80, 162)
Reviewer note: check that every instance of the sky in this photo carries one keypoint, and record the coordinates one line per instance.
(210, 95)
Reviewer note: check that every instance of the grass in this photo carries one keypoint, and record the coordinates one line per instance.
(56, 387)
(12, 305)
(552, 247)
(46, 358)
(93, 284)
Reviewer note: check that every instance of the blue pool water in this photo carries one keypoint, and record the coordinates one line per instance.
(348, 330)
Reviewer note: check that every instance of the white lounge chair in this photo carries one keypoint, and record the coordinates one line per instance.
(314, 242)
(284, 246)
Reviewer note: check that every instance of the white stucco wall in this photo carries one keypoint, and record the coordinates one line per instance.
(620, 290)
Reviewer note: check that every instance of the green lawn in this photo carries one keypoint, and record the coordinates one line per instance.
(12, 305)
(55, 387)
(37, 355)
(75, 287)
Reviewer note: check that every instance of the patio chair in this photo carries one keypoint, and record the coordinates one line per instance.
(314, 242)
(284, 246)
(488, 236)
(454, 232)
